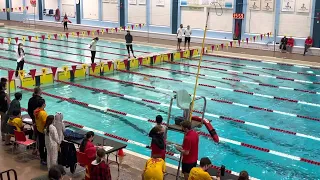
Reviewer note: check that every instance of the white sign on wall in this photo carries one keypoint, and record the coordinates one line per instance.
(206, 3)
(113, 1)
(160, 2)
(303, 6)
(254, 5)
(133, 2)
(267, 5)
(142, 2)
(288, 5)
(105, 1)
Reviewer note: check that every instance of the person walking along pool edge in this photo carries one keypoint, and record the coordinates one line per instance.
(93, 47)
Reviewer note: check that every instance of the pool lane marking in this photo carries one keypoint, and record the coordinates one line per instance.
(104, 91)
(231, 79)
(228, 89)
(247, 73)
(68, 40)
(265, 62)
(201, 133)
(257, 67)
(176, 156)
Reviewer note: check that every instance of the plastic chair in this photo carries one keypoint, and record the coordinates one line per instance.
(82, 160)
(21, 139)
(183, 100)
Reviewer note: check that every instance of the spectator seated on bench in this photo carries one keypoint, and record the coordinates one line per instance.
(290, 45)
(307, 44)
(283, 44)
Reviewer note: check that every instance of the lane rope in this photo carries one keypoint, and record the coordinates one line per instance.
(266, 150)
(207, 114)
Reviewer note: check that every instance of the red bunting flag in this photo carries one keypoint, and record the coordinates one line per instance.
(107, 30)
(239, 42)
(116, 29)
(230, 43)
(55, 36)
(140, 60)
(181, 54)
(54, 71)
(1, 40)
(222, 46)
(27, 7)
(247, 39)
(98, 31)
(17, 39)
(88, 32)
(124, 28)
(19, 8)
(254, 38)
(10, 75)
(268, 35)
(125, 63)
(11, 9)
(78, 33)
(74, 68)
(261, 36)
(67, 35)
(132, 26)
(203, 50)
(4, 10)
(154, 58)
(169, 56)
(29, 37)
(140, 25)
(109, 64)
(93, 66)
(43, 37)
(191, 52)
(212, 48)
(33, 73)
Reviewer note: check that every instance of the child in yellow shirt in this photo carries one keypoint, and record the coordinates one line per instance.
(200, 173)
(154, 169)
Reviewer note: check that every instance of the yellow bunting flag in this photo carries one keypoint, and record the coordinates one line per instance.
(9, 40)
(49, 36)
(23, 38)
(84, 67)
(44, 71)
(234, 43)
(242, 41)
(101, 66)
(218, 47)
(61, 36)
(129, 27)
(73, 34)
(92, 33)
(83, 33)
(102, 31)
(227, 45)
(37, 38)
(8, 9)
(21, 74)
(65, 70)
(208, 48)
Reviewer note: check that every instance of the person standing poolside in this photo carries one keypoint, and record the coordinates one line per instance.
(40, 118)
(93, 48)
(179, 37)
(65, 22)
(189, 149)
(4, 105)
(20, 58)
(308, 43)
(129, 40)
(57, 15)
(52, 142)
(187, 38)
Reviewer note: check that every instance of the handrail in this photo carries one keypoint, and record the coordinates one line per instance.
(8, 174)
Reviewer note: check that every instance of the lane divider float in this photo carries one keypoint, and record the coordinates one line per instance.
(207, 114)
(266, 150)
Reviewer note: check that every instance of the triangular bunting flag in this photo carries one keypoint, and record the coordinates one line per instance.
(93, 66)
(261, 36)
(67, 35)
(43, 37)
(27, 7)
(109, 64)
(11, 9)
(73, 34)
(125, 63)
(116, 29)
(221, 46)
(1, 40)
(268, 35)
(212, 48)
(21, 74)
(36, 37)
(65, 70)
(154, 58)
(54, 71)
(101, 66)
(132, 26)
(107, 30)
(44, 71)
(102, 31)
(74, 68)
(78, 33)
(61, 36)
(247, 39)
(9, 40)
(169, 56)
(250, 39)
(239, 42)
(23, 39)
(29, 37)
(98, 31)
(33, 73)
(124, 28)
(83, 33)
(181, 54)
(92, 33)
(10, 75)
(88, 32)
(55, 36)
(4, 10)
(84, 67)
(140, 25)
(254, 38)
(140, 60)
(230, 43)
(19, 8)
(49, 36)
(17, 39)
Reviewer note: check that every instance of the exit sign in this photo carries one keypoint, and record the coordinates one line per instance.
(238, 16)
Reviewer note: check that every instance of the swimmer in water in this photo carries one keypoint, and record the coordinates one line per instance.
(145, 78)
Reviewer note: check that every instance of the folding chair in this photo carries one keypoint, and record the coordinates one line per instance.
(21, 139)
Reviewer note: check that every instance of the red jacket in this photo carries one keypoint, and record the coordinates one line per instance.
(308, 41)
(290, 42)
(100, 171)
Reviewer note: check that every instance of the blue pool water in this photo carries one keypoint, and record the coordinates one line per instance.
(237, 158)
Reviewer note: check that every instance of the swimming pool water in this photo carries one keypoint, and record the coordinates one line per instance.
(258, 164)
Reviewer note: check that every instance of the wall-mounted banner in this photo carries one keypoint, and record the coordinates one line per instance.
(254, 4)
(288, 5)
(208, 3)
(133, 2)
(303, 6)
(142, 2)
(267, 5)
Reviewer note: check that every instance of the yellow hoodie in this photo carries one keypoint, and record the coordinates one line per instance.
(41, 118)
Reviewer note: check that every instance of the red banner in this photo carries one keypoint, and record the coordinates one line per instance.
(254, 38)
(125, 63)
(1, 40)
(247, 39)
(10, 75)
(140, 60)
(55, 36)
(54, 71)
(261, 36)
(169, 56)
(109, 64)
(98, 31)
(17, 39)
(93, 66)
(67, 35)
(29, 37)
(116, 29)
(78, 33)
(27, 7)
(107, 30)
(43, 37)
(230, 43)
(88, 32)
(124, 28)
(268, 35)
(33, 73)
(222, 46)
(132, 26)
(74, 68)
